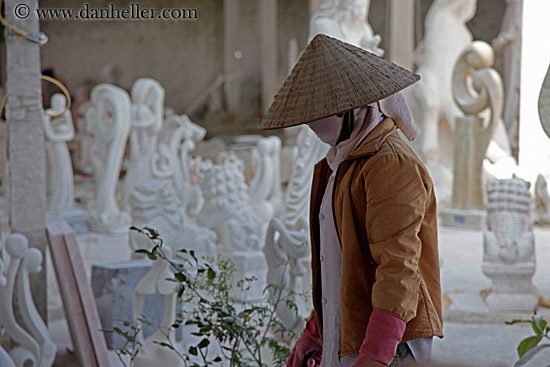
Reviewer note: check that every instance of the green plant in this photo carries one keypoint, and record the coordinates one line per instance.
(243, 332)
(530, 346)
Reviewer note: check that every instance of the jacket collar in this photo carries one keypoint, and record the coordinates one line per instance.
(374, 140)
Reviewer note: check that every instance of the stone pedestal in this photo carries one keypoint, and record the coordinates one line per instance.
(511, 291)
(113, 284)
(76, 218)
(248, 264)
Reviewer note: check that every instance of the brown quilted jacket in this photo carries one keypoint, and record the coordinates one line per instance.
(386, 218)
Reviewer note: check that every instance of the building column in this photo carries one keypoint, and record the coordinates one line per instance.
(267, 29)
(400, 32)
(231, 55)
(26, 147)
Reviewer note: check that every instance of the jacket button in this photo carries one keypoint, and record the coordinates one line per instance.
(322, 258)
(322, 216)
(325, 300)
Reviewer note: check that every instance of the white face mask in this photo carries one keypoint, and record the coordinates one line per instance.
(327, 129)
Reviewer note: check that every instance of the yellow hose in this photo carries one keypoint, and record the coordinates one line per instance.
(10, 27)
(58, 84)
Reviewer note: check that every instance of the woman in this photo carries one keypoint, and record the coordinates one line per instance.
(373, 217)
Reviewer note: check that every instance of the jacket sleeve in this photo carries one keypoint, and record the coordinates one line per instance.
(396, 200)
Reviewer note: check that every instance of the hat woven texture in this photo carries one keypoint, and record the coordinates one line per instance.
(332, 77)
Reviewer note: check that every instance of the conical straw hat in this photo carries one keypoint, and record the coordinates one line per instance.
(332, 77)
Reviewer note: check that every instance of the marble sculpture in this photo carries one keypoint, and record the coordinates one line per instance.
(109, 115)
(509, 246)
(146, 123)
(33, 345)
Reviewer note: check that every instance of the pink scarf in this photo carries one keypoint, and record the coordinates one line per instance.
(367, 118)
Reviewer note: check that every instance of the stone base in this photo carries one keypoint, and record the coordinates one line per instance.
(248, 264)
(512, 289)
(76, 218)
(113, 285)
(461, 218)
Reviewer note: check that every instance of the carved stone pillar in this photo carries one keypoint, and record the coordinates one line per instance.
(509, 247)
(476, 87)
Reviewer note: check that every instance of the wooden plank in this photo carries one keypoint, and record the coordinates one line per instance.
(87, 300)
(76, 293)
(74, 312)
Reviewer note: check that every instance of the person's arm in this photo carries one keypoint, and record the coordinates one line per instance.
(307, 346)
(396, 200)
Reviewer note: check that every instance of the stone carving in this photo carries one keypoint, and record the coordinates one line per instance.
(33, 344)
(542, 202)
(509, 246)
(146, 123)
(171, 200)
(155, 282)
(154, 203)
(508, 42)
(476, 87)
(113, 284)
(430, 101)
(172, 159)
(347, 21)
(85, 138)
(265, 188)
(109, 116)
(283, 245)
(226, 210)
(58, 131)
(226, 207)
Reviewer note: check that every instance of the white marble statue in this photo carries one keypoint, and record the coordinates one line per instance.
(509, 246)
(58, 131)
(146, 123)
(227, 211)
(476, 88)
(445, 37)
(5, 359)
(109, 115)
(154, 203)
(508, 42)
(287, 257)
(172, 159)
(155, 282)
(33, 343)
(226, 208)
(542, 202)
(347, 21)
(265, 188)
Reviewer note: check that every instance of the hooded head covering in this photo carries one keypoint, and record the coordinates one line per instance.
(367, 118)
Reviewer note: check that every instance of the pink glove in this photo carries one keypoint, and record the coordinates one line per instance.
(308, 347)
(384, 332)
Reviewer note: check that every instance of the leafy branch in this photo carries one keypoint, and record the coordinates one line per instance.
(243, 331)
(530, 346)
